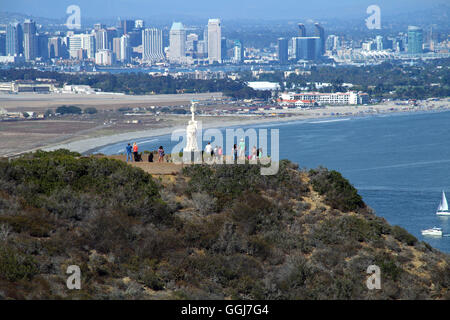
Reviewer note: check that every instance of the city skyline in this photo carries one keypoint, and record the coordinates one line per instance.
(130, 42)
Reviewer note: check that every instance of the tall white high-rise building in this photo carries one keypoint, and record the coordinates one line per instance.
(214, 41)
(152, 45)
(177, 46)
(125, 48)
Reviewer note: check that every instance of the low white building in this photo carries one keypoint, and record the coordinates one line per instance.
(26, 86)
(311, 98)
(264, 85)
(77, 89)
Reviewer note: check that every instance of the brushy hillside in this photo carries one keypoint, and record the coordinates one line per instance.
(210, 232)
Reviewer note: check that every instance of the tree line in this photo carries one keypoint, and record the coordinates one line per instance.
(140, 83)
(386, 80)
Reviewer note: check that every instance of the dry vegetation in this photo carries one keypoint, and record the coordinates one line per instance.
(208, 232)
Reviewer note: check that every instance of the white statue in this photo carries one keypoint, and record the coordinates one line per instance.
(191, 132)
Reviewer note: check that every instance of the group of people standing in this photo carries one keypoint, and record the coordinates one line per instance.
(216, 153)
(238, 152)
(133, 153)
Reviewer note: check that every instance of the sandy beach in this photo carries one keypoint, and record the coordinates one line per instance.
(273, 116)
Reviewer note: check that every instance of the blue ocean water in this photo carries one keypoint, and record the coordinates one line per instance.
(400, 163)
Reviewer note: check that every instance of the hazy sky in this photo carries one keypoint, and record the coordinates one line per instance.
(228, 9)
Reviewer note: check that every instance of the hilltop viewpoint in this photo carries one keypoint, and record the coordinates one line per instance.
(204, 232)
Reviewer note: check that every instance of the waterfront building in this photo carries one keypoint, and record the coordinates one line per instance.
(317, 98)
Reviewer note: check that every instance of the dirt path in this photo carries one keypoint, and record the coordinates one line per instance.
(153, 168)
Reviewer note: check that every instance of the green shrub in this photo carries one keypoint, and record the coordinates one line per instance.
(15, 266)
(403, 236)
(151, 280)
(99, 183)
(68, 110)
(33, 223)
(338, 230)
(253, 213)
(338, 192)
(90, 110)
(228, 182)
(389, 267)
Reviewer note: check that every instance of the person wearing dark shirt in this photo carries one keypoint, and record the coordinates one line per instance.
(129, 150)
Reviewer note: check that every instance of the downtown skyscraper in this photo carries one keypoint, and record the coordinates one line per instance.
(415, 40)
(238, 52)
(214, 41)
(152, 45)
(320, 32)
(177, 46)
(282, 50)
(82, 46)
(125, 48)
(308, 48)
(14, 39)
(101, 39)
(29, 40)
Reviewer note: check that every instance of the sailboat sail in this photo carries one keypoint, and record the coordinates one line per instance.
(443, 206)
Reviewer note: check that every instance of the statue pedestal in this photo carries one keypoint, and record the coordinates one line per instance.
(192, 157)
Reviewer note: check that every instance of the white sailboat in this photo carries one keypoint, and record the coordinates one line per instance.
(432, 232)
(443, 207)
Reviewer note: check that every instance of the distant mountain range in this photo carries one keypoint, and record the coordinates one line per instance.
(10, 17)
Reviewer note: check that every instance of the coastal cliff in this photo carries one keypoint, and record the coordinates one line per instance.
(207, 232)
